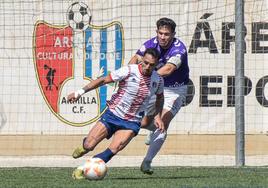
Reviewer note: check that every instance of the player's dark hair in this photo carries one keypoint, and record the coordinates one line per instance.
(166, 22)
(153, 52)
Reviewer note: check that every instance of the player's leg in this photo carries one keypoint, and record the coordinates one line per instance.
(147, 121)
(173, 102)
(120, 139)
(123, 132)
(157, 140)
(101, 130)
(148, 138)
(95, 136)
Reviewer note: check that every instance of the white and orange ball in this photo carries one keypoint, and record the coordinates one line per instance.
(94, 169)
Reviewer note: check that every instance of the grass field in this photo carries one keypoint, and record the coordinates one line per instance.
(132, 177)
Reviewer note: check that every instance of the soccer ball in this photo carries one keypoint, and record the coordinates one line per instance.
(94, 169)
(79, 16)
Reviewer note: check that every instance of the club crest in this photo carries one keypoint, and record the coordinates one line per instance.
(67, 57)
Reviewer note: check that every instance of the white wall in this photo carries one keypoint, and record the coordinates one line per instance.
(24, 110)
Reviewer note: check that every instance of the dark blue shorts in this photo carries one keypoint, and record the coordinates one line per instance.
(114, 123)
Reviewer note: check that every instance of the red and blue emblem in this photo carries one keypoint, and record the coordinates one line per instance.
(68, 57)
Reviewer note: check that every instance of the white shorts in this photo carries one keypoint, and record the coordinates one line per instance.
(174, 98)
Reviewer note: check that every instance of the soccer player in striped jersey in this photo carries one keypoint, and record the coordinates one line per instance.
(173, 66)
(137, 83)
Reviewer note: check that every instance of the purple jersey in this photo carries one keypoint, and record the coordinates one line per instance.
(175, 54)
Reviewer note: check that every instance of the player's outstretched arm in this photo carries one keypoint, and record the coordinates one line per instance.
(92, 85)
(167, 70)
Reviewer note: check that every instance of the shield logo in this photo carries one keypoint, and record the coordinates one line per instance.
(66, 59)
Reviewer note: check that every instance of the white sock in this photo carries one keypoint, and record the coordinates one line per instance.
(157, 140)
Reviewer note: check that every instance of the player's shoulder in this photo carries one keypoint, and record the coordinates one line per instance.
(179, 40)
(178, 47)
(178, 43)
(152, 42)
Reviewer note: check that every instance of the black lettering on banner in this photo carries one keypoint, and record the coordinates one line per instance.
(257, 37)
(93, 100)
(227, 38)
(82, 109)
(205, 91)
(209, 42)
(260, 91)
(64, 100)
(231, 89)
(79, 109)
(190, 93)
(74, 109)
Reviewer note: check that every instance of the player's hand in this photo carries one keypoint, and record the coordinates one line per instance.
(159, 124)
(73, 97)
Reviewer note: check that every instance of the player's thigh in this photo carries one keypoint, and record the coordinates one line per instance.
(174, 99)
(120, 139)
(150, 109)
(97, 134)
(147, 120)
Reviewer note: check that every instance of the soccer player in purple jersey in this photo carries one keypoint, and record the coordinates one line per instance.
(122, 119)
(173, 66)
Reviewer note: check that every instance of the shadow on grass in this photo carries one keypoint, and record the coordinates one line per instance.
(157, 177)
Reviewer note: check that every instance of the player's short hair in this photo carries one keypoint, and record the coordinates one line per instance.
(166, 22)
(153, 52)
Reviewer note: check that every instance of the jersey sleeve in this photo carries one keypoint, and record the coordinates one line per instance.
(120, 74)
(141, 50)
(178, 55)
(175, 60)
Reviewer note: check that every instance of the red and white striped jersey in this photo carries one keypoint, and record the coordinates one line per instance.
(135, 89)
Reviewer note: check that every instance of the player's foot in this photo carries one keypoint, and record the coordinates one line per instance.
(78, 174)
(148, 138)
(146, 167)
(79, 152)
